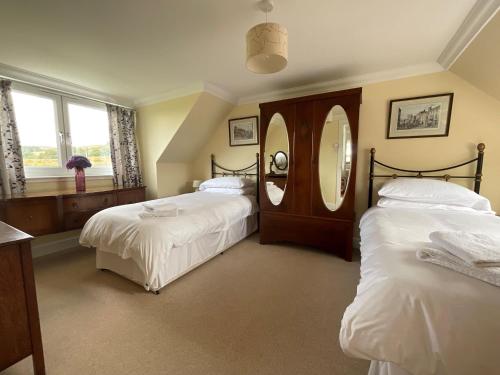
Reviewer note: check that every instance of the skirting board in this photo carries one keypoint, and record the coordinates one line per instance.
(54, 246)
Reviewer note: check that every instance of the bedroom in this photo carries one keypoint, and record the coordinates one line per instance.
(148, 100)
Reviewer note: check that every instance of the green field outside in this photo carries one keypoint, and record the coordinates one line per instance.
(35, 156)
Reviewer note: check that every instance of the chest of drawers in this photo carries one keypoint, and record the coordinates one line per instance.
(19, 323)
(52, 212)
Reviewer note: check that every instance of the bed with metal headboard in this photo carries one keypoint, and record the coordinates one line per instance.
(249, 171)
(409, 284)
(412, 173)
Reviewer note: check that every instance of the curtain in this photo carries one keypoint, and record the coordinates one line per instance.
(12, 177)
(124, 153)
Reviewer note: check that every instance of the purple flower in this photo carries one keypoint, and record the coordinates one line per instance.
(78, 161)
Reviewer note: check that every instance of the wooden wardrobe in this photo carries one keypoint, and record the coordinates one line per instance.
(317, 203)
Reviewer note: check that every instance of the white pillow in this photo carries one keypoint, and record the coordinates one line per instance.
(396, 203)
(242, 191)
(274, 193)
(433, 191)
(232, 182)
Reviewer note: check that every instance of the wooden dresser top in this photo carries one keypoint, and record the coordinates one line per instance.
(67, 193)
(10, 235)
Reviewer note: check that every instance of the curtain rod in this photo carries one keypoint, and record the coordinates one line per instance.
(61, 91)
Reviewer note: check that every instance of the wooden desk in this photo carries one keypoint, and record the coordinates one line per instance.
(57, 211)
(19, 323)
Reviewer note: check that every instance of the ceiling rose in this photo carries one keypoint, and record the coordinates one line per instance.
(267, 45)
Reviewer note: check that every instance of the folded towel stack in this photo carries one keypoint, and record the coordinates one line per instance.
(159, 209)
(476, 249)
(473, 254)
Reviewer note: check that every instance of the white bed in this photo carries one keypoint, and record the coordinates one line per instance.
(155, 251)
(412, 317)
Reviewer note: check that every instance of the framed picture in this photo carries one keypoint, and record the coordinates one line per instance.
(423, 116)
(244, 131)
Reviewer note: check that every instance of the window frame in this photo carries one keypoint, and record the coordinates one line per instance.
(95, 171)
(64, 146)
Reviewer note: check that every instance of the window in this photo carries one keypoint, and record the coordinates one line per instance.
(53, 127)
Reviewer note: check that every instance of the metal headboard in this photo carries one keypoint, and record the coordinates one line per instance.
(421, 173)
(245, 172)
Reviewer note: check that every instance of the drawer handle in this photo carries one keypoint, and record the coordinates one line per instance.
(106, 200)
(30, 217)
(75, 205)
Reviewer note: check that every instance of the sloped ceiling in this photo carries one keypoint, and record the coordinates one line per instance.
(480, 62)
(205, 116)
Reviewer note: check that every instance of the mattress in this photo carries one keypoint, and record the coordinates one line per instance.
(149, 242)
(182, 259)
(420, 317)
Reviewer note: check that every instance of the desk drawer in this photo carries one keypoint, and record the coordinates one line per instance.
(89, 202)
(131, 196)
(76, 220)
(35, 216)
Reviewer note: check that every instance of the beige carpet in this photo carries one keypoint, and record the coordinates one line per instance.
(253, 310)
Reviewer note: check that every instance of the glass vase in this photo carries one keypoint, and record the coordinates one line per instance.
(80, 179)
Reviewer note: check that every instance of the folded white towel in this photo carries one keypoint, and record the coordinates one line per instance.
(158, 213)
(159, 205)
(476, 249)
(443, 258)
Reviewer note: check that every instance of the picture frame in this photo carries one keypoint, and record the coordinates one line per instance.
(244, 131)
(420, 117)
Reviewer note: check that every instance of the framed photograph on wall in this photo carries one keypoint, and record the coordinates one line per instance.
(244, 131)
(423, 116)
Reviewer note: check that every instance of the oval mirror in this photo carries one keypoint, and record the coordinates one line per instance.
(276, 159)
(335, 158)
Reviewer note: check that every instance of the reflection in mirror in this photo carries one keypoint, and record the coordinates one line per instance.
(280, 161)
(335, 158)
(276, 156)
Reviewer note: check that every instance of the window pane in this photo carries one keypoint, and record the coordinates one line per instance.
(90, 133)
(36, 122)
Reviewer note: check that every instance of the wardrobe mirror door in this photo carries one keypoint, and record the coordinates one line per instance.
(276, 159)
(335, 158)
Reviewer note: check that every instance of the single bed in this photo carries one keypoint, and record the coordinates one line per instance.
(156, 251)
(412, 317)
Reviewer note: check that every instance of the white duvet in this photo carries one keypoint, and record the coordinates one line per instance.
(121, 231)
(425, 318)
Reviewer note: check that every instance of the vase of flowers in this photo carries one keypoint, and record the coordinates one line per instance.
(79, 163)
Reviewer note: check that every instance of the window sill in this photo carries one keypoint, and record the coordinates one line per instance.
(67, 178)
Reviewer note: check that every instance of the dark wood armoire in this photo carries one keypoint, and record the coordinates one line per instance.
(316, 207)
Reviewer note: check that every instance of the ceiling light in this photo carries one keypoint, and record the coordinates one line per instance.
(267, 44)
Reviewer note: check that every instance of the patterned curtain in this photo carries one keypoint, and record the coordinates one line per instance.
(124, 153)
(12, 177)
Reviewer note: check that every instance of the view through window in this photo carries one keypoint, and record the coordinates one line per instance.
(90, 134)
(36, 119)
(53, 127)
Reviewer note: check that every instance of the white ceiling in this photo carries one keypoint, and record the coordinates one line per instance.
(133, 49)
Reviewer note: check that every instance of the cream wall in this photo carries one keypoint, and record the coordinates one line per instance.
(174, 178)
(475, 118)
(218, 144)
(480, 62)
(156, 125)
